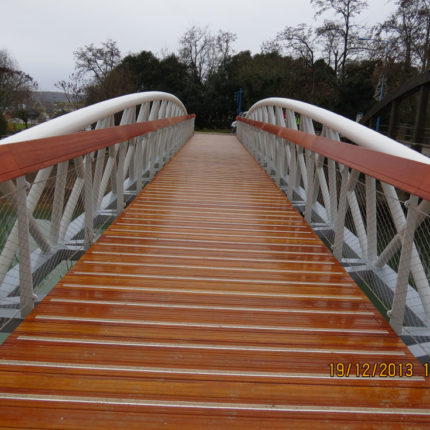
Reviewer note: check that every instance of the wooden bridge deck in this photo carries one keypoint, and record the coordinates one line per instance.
(208, 304)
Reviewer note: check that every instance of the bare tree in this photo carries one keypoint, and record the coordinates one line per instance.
(195, 49)
(408, 32)
(96, 75)
(299, 41)
(224, 41)
(340, 34)
(73, 90)
(15, 85)
(331, 39)
(203, 52)
(271, 46)
(97, 62)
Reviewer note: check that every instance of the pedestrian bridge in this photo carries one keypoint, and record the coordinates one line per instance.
(213, 281)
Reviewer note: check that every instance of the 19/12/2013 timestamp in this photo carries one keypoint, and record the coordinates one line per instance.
(375, 370)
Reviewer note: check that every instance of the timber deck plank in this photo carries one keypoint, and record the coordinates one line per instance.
(209, 303)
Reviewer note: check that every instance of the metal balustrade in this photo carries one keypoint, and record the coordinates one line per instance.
(57, 194)
(370, 203)
(64, 181)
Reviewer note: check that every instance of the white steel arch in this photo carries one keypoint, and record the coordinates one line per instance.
(167, 106)
(265, 111)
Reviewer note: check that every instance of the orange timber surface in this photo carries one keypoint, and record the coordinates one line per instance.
(208, 304)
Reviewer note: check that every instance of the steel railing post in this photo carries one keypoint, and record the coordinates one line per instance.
(24, 257)
(88, 202)
(33, 197)
(293, 173)
(356, 213)
(372, 231)
(310, 168)
(74, 197)
(57, 207)
(120, 176)
(397, 311)
(341, 214)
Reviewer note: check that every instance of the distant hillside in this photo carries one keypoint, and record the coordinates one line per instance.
(49, 97)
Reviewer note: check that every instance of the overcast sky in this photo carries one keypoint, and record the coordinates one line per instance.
(42, 34)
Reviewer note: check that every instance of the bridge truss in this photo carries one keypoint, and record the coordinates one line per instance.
(59, 193)
(368, 201)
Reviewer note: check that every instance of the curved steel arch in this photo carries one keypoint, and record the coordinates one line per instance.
(268, 110)
(82, 118)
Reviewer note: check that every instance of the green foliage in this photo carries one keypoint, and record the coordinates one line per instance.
(260, 76)
(356, 92)
(3, 125)
(144, 69)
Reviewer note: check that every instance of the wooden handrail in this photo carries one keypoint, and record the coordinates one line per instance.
(20, 158)
(408, 175)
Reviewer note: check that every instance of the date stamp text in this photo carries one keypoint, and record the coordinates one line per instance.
(374, 370)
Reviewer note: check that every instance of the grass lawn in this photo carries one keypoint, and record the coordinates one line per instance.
(215, 131)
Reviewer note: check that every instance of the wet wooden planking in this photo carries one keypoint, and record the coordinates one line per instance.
(209, 303)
